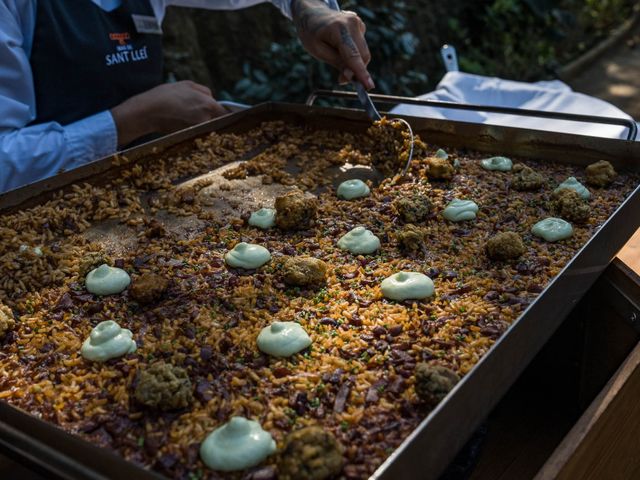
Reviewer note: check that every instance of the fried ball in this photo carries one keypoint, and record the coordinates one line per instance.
(412, 209)
(92, 260)
(310, 454)
(296, 210)
(526, 179)
(568, 204)
(411, 238)
(148, 288)
(600, 174)
(440, 169)
(7, 321)
(164, 386)
(505, 246)
(304, 271)
(433, 382)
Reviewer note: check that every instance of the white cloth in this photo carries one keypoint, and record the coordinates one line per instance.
(553, 96)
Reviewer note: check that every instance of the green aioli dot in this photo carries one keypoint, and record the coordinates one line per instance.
(237, 445)
(106, 280)
(247, 256)
(460, 210)
(442, 154)
(501, 164)
(352, 189)
(573, 184)
(283, 339)
(407, 286)
(264, 218)
(106, 341)
(552, 229)
(359, 241)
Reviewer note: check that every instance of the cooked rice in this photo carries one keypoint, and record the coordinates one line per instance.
(364, 346)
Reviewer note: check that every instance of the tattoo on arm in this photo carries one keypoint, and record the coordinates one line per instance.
(310, 16)
(347, 41)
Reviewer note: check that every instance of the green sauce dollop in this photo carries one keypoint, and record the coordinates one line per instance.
(283, 339)
(460, 210)
(574, 184)
(247, 255)
(264, 218)
(106, 280)
(108, 340)
(501, 164)
(407, 286)
(237, 445)
(442, 154)
(352, 189)
(552, 229)
(359, 241)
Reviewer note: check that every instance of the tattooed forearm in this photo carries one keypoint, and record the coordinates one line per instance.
(309, 16)
(336, 37)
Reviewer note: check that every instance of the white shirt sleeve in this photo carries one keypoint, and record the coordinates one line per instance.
(284, 6)
(31, 153)
(159, 6)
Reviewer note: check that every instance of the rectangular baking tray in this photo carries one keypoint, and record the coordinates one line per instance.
(431, 446)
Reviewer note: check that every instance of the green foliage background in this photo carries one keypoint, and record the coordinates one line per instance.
(254, 55)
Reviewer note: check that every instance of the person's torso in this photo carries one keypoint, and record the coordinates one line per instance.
(85, 60)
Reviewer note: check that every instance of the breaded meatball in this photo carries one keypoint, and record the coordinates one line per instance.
(440, 169)
(413, 208)
(526, 179)
(433, 382)
(411, 238)
(310, 454)
(7, 321)
(93, 260)
(148, 288)
(164, 386)
(304, 271)
(505, 246)
(600, 174)
(568, 204)
(296, 210)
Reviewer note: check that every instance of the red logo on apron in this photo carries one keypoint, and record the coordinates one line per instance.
(121, 38)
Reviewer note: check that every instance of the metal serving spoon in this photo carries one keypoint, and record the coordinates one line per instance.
(366, 172)
(363, 172)
(374, 115)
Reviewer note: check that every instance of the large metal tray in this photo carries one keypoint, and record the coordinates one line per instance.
(430, 448)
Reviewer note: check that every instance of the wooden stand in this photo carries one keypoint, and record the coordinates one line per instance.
(575, 412)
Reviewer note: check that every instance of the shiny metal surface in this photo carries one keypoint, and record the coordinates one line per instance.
(429, 449)
(629, 124)
(366, 102)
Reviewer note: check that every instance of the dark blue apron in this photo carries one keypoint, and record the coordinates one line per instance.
(85, 60)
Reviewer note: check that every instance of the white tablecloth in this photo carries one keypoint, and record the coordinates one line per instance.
(551, 96)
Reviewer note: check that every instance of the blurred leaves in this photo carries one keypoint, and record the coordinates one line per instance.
(529, 39)
(254, 57)
(287, 72)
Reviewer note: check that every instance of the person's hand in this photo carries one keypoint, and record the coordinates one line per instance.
(164, 109)
(334, 37)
